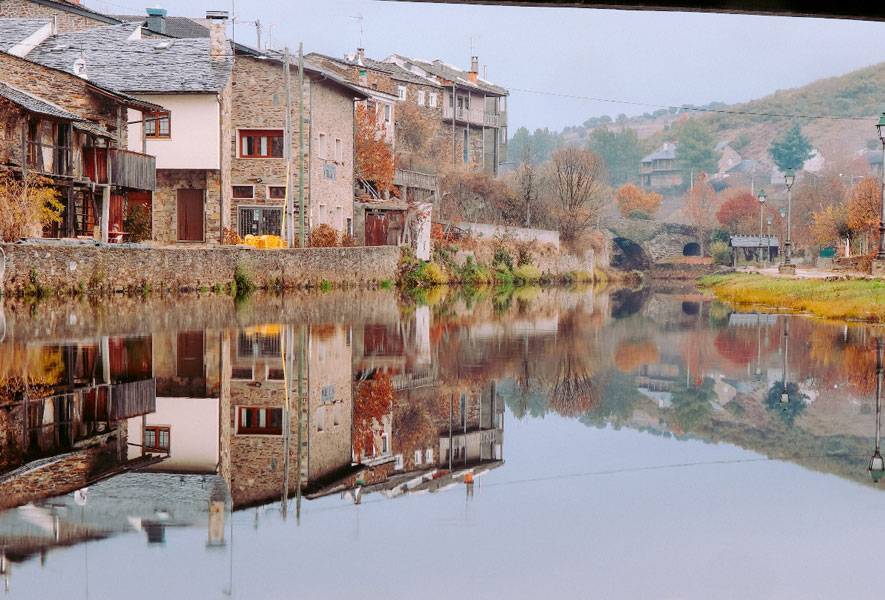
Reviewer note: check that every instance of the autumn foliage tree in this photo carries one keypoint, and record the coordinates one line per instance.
(863, 206)
(374, 399)
(578, 189)
(634, 202)
(374, 156)
(26, 205)
(739, 213)
(700, 208)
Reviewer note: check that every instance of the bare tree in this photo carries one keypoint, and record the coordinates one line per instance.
(578, 188)
(700, 208)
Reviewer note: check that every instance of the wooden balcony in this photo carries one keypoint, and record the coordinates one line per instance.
(49, 159)
(415, 179)
(133, 170)
(474, 116)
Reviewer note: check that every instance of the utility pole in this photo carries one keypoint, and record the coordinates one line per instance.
(287, 144)
(258, 33)
(301, 141)
(454, 117)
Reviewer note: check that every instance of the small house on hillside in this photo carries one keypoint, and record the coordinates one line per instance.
(659, 170)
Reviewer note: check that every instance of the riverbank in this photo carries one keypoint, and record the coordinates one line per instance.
(850, 299)
(60, 269)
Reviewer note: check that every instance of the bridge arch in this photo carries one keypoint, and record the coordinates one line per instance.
(627, 255)
(691, 249)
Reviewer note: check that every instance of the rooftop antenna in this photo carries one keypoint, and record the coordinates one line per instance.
(359, 17)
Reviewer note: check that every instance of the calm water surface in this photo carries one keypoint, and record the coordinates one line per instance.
(542, 443)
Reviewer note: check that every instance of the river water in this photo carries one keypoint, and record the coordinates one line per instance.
(537, 443)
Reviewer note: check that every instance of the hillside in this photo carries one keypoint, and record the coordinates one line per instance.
(859, 93)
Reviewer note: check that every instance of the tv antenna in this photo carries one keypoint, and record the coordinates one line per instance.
(359, 17)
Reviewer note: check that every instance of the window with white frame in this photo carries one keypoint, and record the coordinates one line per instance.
(428, 455)
(322, 216)
(401, 92)
(327, 394)
(502, 104)
(418, 457)
(420, 97)
(432, 100)
(339, 150)
(321, 418)
(322, 146)
(387, 113)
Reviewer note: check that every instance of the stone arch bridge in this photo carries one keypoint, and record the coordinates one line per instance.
(640, 244)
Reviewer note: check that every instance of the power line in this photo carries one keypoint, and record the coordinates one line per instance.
(690, 108)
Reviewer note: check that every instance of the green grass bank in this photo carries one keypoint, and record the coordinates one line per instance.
(849, 299)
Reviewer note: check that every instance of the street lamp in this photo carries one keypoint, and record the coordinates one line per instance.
(787, 266)
(879, 263)
(768, 242)
(761, 211)
(785, 397)
(877, 463)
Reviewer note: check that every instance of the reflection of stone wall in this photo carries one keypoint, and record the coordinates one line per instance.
(69, 267)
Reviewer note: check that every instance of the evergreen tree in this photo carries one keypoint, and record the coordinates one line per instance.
(696, 149)
(621, 151)
(790, 150)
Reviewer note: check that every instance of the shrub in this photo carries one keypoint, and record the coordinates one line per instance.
(524, 253)
(323, 236)
(474, 274)
(348, 241)
(242, 284)
(138, 223)
(502, 257)
(721, 253)
(230, 237)
(526, 274)
(432, 274)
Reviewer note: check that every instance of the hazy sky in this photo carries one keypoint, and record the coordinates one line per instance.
(652, 57)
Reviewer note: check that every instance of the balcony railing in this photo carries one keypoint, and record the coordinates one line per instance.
(415, 179)
(133, 170)
(475, 116)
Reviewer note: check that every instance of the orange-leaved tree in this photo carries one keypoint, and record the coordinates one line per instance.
(863, 211)
(374, 156)
(374, 399)
(739, 213)
(635, 202)
(700, 208)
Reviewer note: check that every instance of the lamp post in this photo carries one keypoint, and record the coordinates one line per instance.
(879, 262)
(768, 242)
(877, 463)
(787, 266)
(785, 397)
(761, 213)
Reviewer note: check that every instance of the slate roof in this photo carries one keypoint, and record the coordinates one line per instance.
(453, 73)
(310, 68)
(149, 65)
(34, 104)
(177, 27)
(13, 31)
(753, 241)
(76, 9)
(665, 152)
(392, 70)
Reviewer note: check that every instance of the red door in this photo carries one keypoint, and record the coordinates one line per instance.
(190, 215)
(376, 229)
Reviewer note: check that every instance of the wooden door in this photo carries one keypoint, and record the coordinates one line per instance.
(191, 354)
(190, 215)
(376, 229)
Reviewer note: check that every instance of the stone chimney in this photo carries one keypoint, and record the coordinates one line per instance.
(156, 19)
(473, 75)
(218, 45)
(360, 56)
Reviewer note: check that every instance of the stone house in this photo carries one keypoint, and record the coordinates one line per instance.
(71, 131)
(464, 115)
(67, 15)
(659, 170)
(189, 81)
(258, 165)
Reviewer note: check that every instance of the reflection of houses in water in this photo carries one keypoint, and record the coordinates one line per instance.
(73, 421)
(657, 381)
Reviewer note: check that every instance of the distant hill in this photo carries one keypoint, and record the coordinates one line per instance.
(860, 93)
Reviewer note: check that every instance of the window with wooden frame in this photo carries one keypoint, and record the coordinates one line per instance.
(157, 125)
(244, 192)
(261, 143)
(156, 438)
(276, 192)
(259, 421)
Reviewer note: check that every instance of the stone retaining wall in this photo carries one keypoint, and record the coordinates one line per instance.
(88, 268)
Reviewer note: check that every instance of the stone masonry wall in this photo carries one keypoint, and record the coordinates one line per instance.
(106, 269)
(331, 179)
(24, 9)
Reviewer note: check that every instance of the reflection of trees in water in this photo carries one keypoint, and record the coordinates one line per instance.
(631, 354)
(691, 405)
(570, 380)
(787, 411)
(616, 402)
(373, 401)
